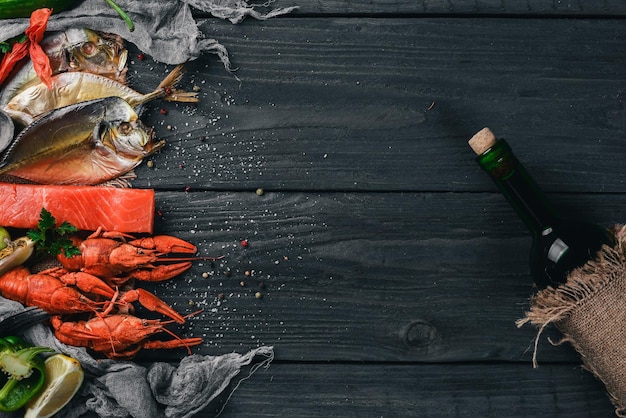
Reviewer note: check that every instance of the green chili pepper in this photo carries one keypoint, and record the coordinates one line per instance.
(123, 15)
(24, 372)
(23, 8)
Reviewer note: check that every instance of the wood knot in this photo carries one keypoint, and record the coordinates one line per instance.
(419, 333)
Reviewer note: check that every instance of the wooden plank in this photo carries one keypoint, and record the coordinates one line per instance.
(458, 7)
(388, 105)
(361, 277)
(419, 390)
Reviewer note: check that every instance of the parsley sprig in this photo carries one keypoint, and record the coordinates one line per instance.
(51, 239)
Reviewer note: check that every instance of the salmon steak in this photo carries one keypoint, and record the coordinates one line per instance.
(87, 208)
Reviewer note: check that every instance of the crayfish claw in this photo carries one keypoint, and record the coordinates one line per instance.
(160, 272)
(165, 244)
(152, 303)
(88, 283)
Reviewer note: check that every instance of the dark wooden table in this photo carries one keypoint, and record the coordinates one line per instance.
(390, 269)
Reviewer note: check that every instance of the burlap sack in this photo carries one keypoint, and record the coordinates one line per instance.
(590, 311)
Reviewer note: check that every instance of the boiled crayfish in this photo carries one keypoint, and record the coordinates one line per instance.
(54, 292)
(118, 336)
(96, 284)
(58, 291)
(120, 257)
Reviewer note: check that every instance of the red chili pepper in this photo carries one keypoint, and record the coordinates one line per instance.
(41, 62)
(19, 51)
(35, 32)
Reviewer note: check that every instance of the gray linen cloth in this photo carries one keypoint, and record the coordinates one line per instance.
(114, 388)
(164, 29)
(167, 31)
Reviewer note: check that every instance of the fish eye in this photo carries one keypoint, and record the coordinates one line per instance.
(89, 48)
(125, 128)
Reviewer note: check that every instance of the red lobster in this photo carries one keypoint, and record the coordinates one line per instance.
(58, 291)
(118, 336)
(121, 257)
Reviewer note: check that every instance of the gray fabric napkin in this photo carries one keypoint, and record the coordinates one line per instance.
(166, 30)
(114, 388)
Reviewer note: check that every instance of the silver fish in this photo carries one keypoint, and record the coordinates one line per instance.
(89, 51)
(71, 88)
(73, 50)
(86, 143)
(7, 130)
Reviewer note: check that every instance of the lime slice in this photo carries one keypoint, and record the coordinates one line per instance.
(4, 237)
(64, 375)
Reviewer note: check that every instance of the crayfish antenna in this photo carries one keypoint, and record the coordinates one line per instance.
(110, 304)
(193, 313)
(202, 258)
(180, 342)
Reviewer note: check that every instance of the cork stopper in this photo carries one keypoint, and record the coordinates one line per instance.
(482, 141)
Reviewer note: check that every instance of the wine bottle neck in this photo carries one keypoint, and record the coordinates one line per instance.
(524, 195)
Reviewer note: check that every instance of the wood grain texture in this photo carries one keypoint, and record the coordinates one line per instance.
(368, 277)
(458, 7)
(391, 272)
(389, 104)
(418, 390)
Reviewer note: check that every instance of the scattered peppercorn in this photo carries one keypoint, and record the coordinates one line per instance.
(163, 111)
(247, 273)
(258, 295)
(242, 283)
(141, 56)
(244, 243)
(220, 296)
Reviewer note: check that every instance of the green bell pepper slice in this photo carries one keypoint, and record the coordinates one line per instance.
(24, 372)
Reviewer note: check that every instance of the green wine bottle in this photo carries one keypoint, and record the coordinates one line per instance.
(559, 244)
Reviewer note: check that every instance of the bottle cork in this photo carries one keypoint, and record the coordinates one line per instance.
(482, 141)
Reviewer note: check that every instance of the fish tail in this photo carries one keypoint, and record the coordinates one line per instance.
(172, 78)
(147, 98)
(166, 90)
(182, 96)
(170, 93)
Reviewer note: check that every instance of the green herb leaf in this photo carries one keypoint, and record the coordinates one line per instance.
(66, 228)
(7, 45)
(52, 240)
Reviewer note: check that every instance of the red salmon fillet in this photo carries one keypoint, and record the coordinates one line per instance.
(85, 207)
